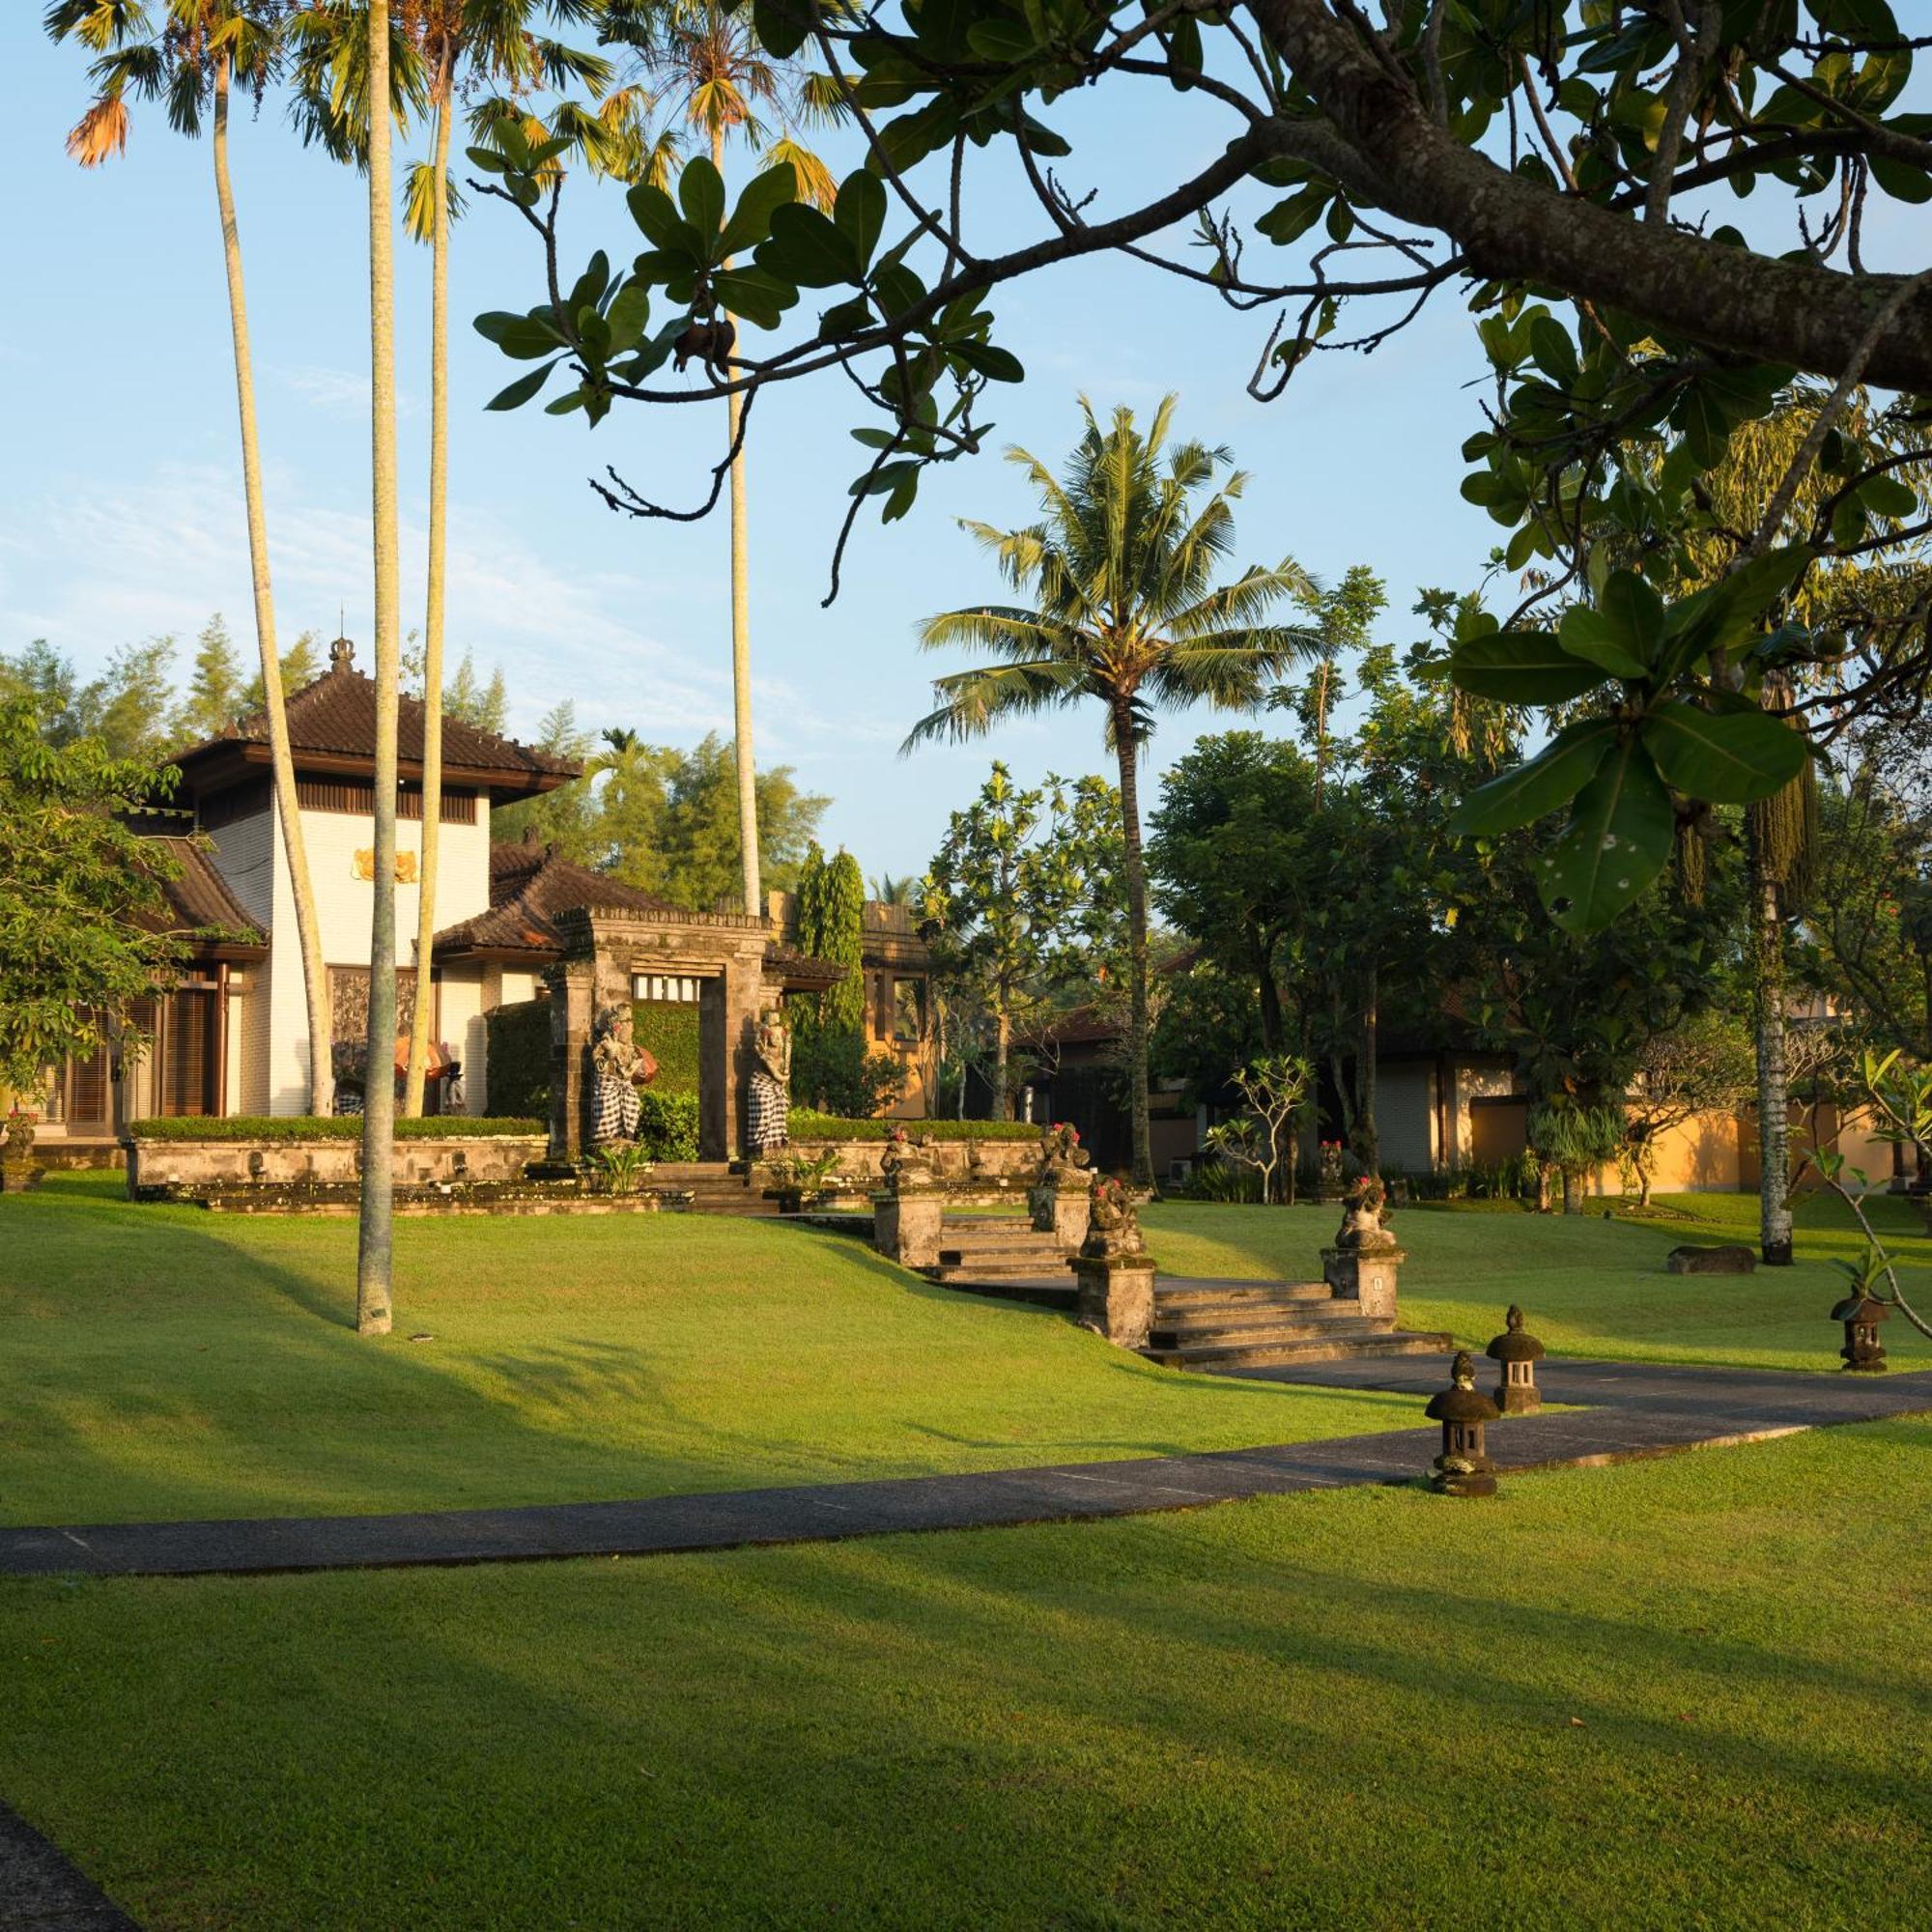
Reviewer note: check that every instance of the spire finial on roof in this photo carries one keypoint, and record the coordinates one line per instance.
(341, 655)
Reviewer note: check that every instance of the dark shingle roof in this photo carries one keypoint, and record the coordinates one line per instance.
(199, 900)
(529, 886)
(335, 716)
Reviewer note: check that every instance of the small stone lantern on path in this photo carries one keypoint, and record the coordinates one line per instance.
(1464, 1468)
(1861, 1314)
(1517, 1394)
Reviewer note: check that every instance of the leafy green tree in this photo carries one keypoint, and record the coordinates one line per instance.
(486, 707)
(85, 929)
(125, 708)
(300, 667)
(665, 817)
(1008, 902)
(1124, 613)
(562, 818)
(215, 686)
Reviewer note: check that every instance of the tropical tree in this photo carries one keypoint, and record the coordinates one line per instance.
(193, 57)
(85, 929)
(374, 1248)
(461, 43)
(1124, 613)
(709, 71)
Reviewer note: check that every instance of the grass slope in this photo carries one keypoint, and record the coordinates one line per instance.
(164, 1362)
(1693, 1692)
(1591, 1287)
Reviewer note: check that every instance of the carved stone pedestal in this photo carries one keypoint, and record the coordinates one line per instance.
(1061, 1211)
(905, 1226)
(1366, 1275)
(1116, 1297)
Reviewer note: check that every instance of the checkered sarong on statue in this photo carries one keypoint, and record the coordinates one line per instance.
(768, 1125)
(614, 1110)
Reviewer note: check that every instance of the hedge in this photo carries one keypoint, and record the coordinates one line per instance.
(668, 1029)
(519, 1057)
(806, 1126)
(324, 1127)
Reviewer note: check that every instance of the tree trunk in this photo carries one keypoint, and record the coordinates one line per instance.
(741, 640)
(1128, 752)
(287, 808)
(1003, 1037)
(1267, 991)
(1773, 1099)
(1543, 1188)
(379, 1118)
(1573, 1191)
(1368, 1142)
(438, 507)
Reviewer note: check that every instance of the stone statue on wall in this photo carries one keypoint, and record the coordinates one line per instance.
(619, 1068)
(768, 1124)
(1362, 1214)
(1113, 1223)
(906, 1165)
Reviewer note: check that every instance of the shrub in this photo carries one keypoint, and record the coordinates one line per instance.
(808, 1125)
(518, 1058)
(324, 1127)
(1222, 1180)
(832, 1071)
(668, 1124)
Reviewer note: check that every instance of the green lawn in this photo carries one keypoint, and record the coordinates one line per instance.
(164, 1362)
(1691, 1692)
(1590, 1287)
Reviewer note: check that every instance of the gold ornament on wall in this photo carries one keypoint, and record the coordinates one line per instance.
(406, 865)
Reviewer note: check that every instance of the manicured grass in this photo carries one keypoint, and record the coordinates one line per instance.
(164, 1362)
(1692, 1693)
(1590, 1287)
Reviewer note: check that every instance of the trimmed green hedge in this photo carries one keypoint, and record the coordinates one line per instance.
(806, 1126)
(668, 1029)
(519, 1057)
(324, 1127)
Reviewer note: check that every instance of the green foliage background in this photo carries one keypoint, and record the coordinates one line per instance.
(519, 1057)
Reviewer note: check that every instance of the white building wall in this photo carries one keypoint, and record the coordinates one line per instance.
(251, 857)
(247, 854)
(463, 1028)
(1478, 1082)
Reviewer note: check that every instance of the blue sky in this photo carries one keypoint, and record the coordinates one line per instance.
(125, 514)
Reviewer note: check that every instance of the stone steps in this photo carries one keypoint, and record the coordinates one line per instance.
(1255, 1354)
(1291, 1319)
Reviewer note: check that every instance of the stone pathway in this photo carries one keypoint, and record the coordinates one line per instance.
(1632, 1409)
(39, 1892)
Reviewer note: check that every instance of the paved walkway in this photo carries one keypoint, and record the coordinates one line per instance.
(1633, 1410)
(39, 1892)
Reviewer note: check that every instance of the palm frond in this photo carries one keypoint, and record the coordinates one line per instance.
(972, 701)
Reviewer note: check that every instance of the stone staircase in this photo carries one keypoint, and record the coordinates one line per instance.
(715, 1187)
(1199, 1323)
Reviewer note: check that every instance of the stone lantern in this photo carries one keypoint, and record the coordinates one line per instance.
(1464, 1468)
(1861, 1314)
(1517, 1394)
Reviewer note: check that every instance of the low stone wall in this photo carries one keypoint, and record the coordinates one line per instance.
(169, 1168)
(998, 1168)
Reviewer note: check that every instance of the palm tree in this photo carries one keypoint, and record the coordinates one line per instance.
(192, 60)
(374, 1247)
(711, 74)
(1119, 570)
(459, 40)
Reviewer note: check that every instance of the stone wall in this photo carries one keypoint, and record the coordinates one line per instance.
(156, 1165)
(999, 1166)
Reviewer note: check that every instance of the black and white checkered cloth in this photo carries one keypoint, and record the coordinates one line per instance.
(769, 1124)
(614, 1110)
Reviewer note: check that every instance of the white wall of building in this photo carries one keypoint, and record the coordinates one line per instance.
(251, 857)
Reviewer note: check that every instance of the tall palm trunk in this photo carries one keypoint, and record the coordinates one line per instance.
(379, 1120)
(438, 503)
(288, 807)
(1774, 1099)
(741, 640)
(1003, 1060)
(1126, 750)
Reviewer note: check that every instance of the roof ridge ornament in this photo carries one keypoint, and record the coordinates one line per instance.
(342, 655)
